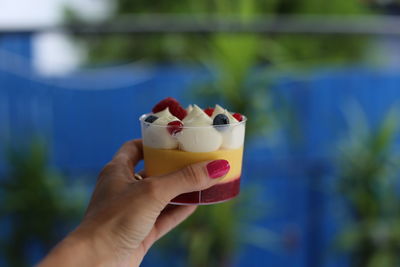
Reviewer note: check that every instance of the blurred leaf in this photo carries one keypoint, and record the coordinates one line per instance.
(37, 202)
(383, 258)
(367, 170)
(302, 50)
(386, 133)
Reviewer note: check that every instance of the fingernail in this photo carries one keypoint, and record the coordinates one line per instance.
(218, 168)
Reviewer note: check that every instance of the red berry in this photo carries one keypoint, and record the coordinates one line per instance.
(238, 116)
(178, 111)
(167, 102)
(174, 107)
(174, 127)
(209, 111)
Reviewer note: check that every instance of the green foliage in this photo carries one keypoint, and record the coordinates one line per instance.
(182, 48)
(36, 202)
(368, 171)
(309, 50)
(231, 58)
(207, 238)
(211, 235)
(234, 58)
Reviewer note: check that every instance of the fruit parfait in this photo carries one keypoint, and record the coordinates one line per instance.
(174, 137)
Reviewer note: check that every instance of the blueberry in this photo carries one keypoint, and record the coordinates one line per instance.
(151, 118)
(220, 119)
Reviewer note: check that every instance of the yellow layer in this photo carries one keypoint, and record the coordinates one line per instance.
(162, 161)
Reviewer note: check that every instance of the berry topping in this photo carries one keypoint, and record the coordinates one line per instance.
(178, 112)
(165, 103)
(220, 119)
(238, 116)
(151, 118)
(174, 107)
(209, 111)
(174, 127)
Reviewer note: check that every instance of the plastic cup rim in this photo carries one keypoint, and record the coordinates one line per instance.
(143, 116)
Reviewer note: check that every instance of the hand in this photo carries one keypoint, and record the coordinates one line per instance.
(126, 216)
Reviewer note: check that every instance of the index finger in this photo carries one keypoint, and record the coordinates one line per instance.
(130, 152)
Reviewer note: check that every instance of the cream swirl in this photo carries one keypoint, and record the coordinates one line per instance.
(198, 132)
(157, 136)
(200, 136)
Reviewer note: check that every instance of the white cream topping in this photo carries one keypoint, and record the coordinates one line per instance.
(200, 136)
(220, 110)
(202, 139)
(217, 110)
(189, 108)
(163, 113)
(164, 117)
(157, 136)
(233, 137)
(197, 117)
(199, 139)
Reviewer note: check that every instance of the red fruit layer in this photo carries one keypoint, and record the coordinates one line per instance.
(216, 193)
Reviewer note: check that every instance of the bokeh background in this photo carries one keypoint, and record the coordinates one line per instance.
(318, 80)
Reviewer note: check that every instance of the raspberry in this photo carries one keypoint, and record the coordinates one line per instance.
(174, 107)
(178, 111)
(209, 111)
(174, 127)
(167, 102)
(238, 116)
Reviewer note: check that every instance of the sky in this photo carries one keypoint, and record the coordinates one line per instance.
(54, 53)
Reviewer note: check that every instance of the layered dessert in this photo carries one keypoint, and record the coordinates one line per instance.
(174, 137)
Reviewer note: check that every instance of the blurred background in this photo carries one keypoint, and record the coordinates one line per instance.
(318, 80)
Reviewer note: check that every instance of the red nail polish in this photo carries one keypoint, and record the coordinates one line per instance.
(218, 168)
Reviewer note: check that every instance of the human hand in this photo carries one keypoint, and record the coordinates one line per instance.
(126, 216)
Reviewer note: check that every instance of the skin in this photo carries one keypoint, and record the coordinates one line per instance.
(125, 216)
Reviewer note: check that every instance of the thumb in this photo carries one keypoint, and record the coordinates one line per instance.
(193, 177)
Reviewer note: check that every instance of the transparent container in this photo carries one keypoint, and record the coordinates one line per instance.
(169, 149)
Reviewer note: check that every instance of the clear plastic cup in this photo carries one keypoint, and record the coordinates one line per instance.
(166, 150)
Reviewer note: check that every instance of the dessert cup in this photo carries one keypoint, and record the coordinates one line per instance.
(166, 152)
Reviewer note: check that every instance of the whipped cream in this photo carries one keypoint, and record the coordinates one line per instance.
(164, 117)
(202, 137)
(198, 133)
(232, 136)
(189, 108)
(159, 137)
(220, 110)
(196, 118)
(199, 140)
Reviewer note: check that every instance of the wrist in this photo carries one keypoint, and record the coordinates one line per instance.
(101, 247)
(93, 245)
(78, 249)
